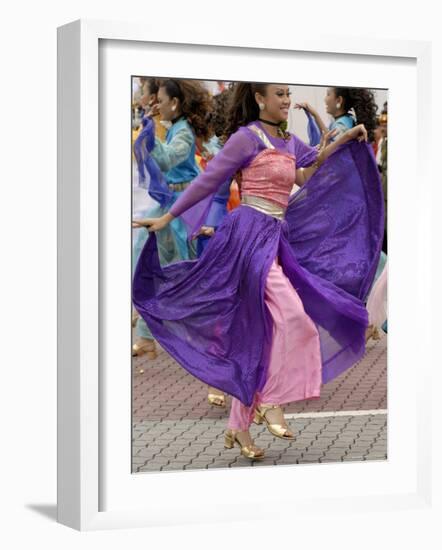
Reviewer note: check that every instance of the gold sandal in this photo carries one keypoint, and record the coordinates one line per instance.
(249, 451)
(372, 332)
(217, 399)
(147, 348)
(278, 430)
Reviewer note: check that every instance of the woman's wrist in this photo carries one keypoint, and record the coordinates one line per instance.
(344, 137)
(319, 159)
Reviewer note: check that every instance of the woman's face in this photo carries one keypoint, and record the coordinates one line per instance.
(150, 98)
(331, 101)
(168, 107)
(147, 99)
(277, 102)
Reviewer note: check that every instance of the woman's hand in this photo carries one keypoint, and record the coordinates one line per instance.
(306, 106)
(205, 231)
(326, 137)
(153, 110)
(152, 224)
(358, 132)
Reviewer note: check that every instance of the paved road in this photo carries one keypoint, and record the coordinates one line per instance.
(174, 428)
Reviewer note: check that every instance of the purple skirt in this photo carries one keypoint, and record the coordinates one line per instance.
(209, 313)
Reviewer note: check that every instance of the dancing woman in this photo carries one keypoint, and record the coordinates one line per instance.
(184, 105)
(147, 101)
(274, 307)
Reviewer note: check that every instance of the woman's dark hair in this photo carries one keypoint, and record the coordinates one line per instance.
(361, 100)
(218, 119)
(195, 103)
(242, 107)
(153, 84)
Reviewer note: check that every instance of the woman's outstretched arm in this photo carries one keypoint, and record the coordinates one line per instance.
(237, 152)
(326, 149)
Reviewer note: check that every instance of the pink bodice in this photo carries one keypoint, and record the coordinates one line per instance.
(270, 176)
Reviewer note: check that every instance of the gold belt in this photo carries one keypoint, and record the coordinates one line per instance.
(264, 206)
(179, 186)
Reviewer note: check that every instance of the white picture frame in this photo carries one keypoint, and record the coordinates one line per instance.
(95, 487)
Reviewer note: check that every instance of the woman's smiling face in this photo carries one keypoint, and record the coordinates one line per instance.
(277, 102)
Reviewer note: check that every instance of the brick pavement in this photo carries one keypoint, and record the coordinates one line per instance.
(174, 428)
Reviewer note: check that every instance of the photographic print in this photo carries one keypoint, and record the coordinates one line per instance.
(259, 265)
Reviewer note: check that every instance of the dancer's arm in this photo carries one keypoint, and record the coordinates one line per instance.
(237, 152)
(359, 132)
(169, 155)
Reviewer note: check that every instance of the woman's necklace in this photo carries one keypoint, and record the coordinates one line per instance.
(282, 128)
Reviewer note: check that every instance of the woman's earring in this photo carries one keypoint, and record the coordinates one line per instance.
(261, 106)
(173, 107)
(338, 105)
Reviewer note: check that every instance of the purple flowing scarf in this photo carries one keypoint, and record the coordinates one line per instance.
(143, 146)
(335, 220)
(313, 132)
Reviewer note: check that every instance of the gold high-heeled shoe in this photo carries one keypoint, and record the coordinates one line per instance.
(278, 430)
(217, 399)
(372, 332)
(249, 451)
(147, 348)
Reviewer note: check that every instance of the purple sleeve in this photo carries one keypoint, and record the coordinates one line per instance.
(218, 208)
(238, 151)
(305, 154)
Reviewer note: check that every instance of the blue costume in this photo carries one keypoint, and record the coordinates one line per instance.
(172, 164)
(341, 123)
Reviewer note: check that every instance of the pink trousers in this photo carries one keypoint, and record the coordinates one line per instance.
(294, 371)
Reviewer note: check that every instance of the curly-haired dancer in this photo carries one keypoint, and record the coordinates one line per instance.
(339, 102)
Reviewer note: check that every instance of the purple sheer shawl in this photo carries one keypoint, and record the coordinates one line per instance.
(314, 133)
(336, 218)
(143, 146)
